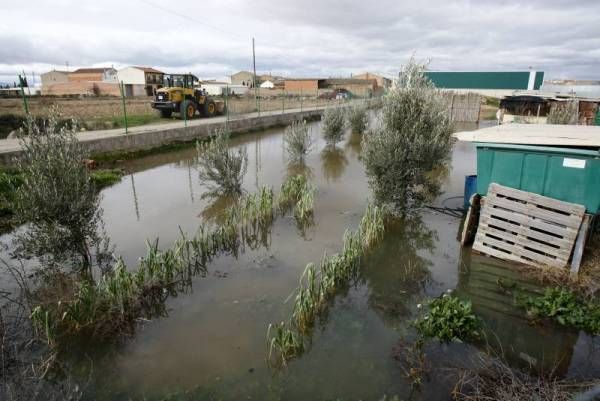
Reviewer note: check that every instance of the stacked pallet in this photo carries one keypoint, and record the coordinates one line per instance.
(527, 228)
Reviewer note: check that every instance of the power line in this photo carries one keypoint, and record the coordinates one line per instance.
(187, 17)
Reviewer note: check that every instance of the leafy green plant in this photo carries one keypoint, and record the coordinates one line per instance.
(564, 307)
(358, 119)
(449, 319)
(333, 125)
(220, 168)
(413, 140)
(283, 344)
(297, 141)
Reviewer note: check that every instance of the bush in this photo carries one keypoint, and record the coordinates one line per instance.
(449, 319)
(563, 113)
(333, 125)
(58, 200)
(413, 140)
(297, 140)
(358, 119)
(221, 169)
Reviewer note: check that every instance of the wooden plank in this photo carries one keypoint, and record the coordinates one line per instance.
(580, 244)
(524, 241)
(531, 210)
(566, 232)
(515, 251)
(525, 231)
(571, 208)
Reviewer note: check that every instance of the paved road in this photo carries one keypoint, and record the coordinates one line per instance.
(12, 145)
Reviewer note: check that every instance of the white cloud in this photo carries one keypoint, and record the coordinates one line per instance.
(303, 38)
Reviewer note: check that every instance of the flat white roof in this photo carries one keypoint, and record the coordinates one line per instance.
(536, 134)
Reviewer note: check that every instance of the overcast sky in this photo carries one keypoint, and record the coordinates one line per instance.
(301, 37)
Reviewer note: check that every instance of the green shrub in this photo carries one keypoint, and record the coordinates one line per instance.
(358, 119)
(297, 140)
(414, 140)
(564, 307)
(449, 319)
(220, 168)
(333, 125)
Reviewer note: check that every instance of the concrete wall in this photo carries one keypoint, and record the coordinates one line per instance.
(305, 85)
(131, 75)
(153, 138)
(54, 77)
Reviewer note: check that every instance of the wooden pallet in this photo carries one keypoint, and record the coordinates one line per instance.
(527, 228)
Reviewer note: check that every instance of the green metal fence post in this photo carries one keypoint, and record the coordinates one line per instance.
(25, 104)
(122, 88)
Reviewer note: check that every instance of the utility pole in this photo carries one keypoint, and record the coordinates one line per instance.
(255, 88)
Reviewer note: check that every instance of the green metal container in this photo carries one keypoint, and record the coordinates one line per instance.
(568, 174)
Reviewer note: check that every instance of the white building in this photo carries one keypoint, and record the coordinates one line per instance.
(267, 85)
(140, 81)
(215, 88)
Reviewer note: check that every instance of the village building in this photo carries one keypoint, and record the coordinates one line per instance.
(245, 78)
(54, 77)
(140, 81)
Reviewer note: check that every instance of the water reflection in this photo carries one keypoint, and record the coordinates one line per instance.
(354, 144)
(492, 286)
(397, 272)
(334, 162)
(135, 198)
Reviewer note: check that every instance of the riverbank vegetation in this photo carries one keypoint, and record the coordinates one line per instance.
(297, 141)
(358, 119)
(413, 141)
(317, 286)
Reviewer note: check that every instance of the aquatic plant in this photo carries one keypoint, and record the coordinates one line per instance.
(564, 307)
(220, 168)
(414, 138)
(58, 201)
(449, 319)
(317, 286)
(358, 119)
(283, 344)
(297, 141)
(303, 211)
(563, 113)
(297, 193)
(333, 125)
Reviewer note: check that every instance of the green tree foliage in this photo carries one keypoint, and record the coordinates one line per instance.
(297, 141)
(403, 156)
(358, 119)
(220, 168)
(333, 125)
(58, 200)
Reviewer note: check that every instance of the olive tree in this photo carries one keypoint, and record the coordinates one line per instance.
(297, 141)
(358, 119)
(411, 144)
(58, 201)
(333, 125)
(220, 168)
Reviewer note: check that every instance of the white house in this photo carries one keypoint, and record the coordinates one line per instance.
(140, 81)
(215, 88)
(267, 85)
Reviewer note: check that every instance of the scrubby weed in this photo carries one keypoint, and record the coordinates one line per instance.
(564, 307)
(318, 286)
(333, 125)
(449, 319)
(220, 168)
(358, 119)
(563, 113)
(297, 141)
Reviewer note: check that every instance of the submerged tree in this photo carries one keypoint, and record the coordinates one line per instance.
(59, 201)
(358, 119)
(220, 168)
(564, 114)
(297, 141)
(412, 142)
(333, 125)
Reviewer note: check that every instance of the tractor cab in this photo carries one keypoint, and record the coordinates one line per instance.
(187, 81)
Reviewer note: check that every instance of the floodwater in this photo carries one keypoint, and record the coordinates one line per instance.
(212, 344)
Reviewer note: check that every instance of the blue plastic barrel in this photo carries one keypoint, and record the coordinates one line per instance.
(470, 189)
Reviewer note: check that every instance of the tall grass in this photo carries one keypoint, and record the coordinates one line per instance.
(114, 303)
(319, 285)
(297, 193)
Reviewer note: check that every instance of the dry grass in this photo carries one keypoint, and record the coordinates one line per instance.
(495, 380)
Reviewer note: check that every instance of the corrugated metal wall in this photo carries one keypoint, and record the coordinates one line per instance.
(485, 80)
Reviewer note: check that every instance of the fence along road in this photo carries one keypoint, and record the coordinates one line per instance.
(154, 135)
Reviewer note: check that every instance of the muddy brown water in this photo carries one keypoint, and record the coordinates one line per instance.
(212, 344)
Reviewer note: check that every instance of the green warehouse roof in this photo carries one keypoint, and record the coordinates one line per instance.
(512, 80)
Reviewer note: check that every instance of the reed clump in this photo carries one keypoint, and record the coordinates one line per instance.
(318, 286)
(297, 193)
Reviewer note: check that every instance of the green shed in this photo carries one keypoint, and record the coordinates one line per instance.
(561, 162)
